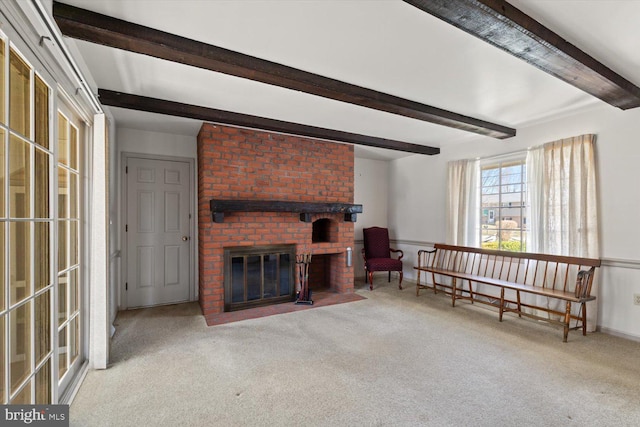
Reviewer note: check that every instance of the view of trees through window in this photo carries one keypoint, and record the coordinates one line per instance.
(503, 216)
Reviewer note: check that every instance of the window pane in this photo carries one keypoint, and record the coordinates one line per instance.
(20, 354)
(41, 169)
(63, 283)
(73, 340)
(3, 395)
(20, 261)
(3, 245)
(73, 195)
(19, 177)
(19, 98)
(503, 206)
(73, 243)
(63, 192)
(62, 246)
(43, 326)
(3, 172)
(490, 200)
(73, 290)
(24, 397)
(73, 147)
(62, 352)
(491, 189)
(63, 139)
(43, 384)
(42, 257)
(42, 113)
(2, 109)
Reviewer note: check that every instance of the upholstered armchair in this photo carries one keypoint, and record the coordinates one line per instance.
(377, 254)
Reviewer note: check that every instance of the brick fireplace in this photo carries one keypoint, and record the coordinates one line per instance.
(245, 164)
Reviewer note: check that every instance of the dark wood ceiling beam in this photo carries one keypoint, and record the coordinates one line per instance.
(172, 108)
(502, 25)
(105, 30)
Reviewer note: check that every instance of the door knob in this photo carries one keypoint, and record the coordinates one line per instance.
(185, 238)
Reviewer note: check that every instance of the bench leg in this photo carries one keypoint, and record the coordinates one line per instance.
(584, 318)
(471, 291)
(453, 292)
(433, 280)
(501, 302)
(418, 284)
(519, 307)
(567, 319)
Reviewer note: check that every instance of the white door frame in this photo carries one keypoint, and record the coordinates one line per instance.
(193, 223)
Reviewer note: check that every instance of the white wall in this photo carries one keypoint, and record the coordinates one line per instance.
(165, 144)
(371, 181)
(140, 142)
(417, 195)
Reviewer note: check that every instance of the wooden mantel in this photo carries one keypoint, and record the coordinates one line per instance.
(305, 209)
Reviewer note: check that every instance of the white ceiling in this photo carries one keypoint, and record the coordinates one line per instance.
(385, 45)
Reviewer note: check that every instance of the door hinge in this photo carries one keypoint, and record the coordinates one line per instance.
(126, 286)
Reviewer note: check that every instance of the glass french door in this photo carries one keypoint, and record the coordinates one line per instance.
(40, 289)
(68, 320)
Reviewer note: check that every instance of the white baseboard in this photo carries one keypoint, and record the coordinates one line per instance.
(617, 333)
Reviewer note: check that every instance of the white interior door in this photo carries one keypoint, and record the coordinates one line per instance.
(157, 232)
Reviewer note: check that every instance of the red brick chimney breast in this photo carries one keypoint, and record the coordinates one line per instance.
(246, 164)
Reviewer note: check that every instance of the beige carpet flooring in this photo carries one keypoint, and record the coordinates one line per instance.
(389, 360)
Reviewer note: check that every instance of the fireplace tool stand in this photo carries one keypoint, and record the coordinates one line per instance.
(304, 294)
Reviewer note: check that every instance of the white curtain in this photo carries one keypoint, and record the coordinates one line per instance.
(463, 204)
(563, 219)
(563, 197)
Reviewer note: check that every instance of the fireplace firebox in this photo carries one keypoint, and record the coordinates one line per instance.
(258, 275)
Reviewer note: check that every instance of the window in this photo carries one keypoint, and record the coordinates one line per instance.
(543, 200)
(503, 205)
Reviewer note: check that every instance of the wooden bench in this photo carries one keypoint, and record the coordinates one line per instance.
(562, 279)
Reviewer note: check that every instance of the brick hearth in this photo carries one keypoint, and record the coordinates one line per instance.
(245, 164)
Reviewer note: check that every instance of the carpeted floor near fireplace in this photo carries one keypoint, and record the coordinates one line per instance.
(389, 359)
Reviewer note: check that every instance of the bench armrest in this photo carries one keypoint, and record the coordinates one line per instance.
(426, 254)
(584, 280)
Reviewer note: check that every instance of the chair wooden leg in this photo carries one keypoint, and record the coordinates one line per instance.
(400, 283)
(584, 318)
(389, 278)
(371, 280)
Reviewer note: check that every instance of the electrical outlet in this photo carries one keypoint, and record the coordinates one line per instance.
(636, 299)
